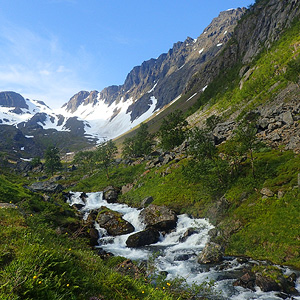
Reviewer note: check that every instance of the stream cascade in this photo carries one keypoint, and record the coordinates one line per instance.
(177, 256)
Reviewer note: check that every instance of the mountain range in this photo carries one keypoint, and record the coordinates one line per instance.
(179, 77)
(92, 117)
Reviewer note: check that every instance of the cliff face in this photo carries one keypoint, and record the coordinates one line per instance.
(258, 29)
(165, 77)
(12, 99)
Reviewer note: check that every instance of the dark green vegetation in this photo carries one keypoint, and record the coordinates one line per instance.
(172, 130)
(138, 145)
(52, 160)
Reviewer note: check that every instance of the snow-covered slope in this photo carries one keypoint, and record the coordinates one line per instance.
(103, 121)
(15, 110)
(97, 121)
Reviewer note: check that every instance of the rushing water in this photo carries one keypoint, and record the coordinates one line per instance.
(174, 255)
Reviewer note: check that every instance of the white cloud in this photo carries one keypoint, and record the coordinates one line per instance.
(38, 67)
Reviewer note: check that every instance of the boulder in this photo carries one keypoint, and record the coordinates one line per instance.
(266, 284)
(247, 281)
(189, 232)
(46, 187)
(212, 253)
(126, 188)
(127, 267)
(218, 209)
(142, 238)
(268, 279)
(113, 222)
(287, 118)
(146, 201)
(159, 217)
(78, 206)
(104, 254)
(94, 236)
(266, 192)
(110, 194)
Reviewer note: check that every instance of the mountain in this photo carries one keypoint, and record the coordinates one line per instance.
(28, 127)
(197, 69)
(91, 117)
(150, 87)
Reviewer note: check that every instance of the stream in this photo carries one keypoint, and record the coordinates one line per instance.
(177, 256)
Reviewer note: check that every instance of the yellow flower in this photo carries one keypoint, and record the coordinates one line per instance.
(168, 283)
(70, 249)
(40, 282)
(68, 284)
(34, 277)
(163, 287)
(143, 292)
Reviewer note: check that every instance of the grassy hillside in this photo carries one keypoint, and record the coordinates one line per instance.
(44, 257)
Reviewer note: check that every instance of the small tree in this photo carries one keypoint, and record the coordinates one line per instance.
(105, 155)
(52, 160)
(201, 144)
(212, 121)
(293, 70)
(35, 161)
(247, 140)
(140, 144)
(84, 159)
(208, 164)
(172, 130)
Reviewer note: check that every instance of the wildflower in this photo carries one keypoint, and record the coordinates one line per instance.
(168, 283)
(34, 277)
(66, 233)
(164, 288)
(30, 215)
(68, 284)
(40, 282)
(143, 292)
(70, 249)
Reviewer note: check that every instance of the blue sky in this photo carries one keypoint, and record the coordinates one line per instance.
(51, 49)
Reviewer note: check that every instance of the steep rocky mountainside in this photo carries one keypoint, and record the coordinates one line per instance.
(259, 28)
(90, 117)
(251, 71)
(165, 77)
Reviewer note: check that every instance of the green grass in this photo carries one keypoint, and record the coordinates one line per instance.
(38, 263)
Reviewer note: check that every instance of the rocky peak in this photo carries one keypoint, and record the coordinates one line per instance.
(12, 99)
(165, 77)
(258, 28)
(76, 101)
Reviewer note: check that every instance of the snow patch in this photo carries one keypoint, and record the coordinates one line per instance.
(191, 97)
(153, 88)
(200, 51)
(219, 45)
(26, 159)
(204, 88)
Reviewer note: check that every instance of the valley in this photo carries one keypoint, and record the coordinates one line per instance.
(209, 131)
